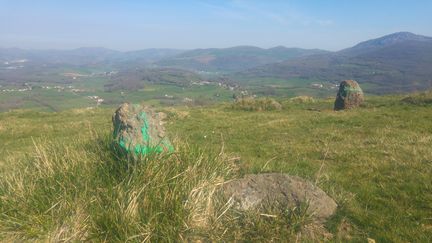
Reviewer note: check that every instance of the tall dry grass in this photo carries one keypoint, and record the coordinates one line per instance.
(83, 191)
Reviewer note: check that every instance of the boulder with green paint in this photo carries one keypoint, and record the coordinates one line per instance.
(349, 96)
(139, 131)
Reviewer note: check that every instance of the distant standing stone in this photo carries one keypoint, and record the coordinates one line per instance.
(139, 131)
(350, 95)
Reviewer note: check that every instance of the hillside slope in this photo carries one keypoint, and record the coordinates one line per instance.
(234, 58)
(375, 161)
(394, 63)
(82, 56)
(134, 79)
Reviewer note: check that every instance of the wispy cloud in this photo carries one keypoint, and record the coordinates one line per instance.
(225, 12)
(250, 10)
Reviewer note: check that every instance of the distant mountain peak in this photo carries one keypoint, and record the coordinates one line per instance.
(93, 50)
(398, 37)
(277, 48)
(388, 40)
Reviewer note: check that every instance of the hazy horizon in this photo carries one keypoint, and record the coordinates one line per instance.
(134, 25)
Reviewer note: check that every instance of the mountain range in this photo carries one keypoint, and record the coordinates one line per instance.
(234, 58)
(211, 59)
(86, 56)
(397, 62)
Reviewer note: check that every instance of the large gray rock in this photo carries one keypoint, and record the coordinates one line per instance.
(139, 131)
(281, 190)
(349, 96)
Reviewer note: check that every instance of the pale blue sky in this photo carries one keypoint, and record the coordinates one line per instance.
(131, 25)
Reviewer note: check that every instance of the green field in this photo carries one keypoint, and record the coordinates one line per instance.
(154, 94)
(375, 161)
(286, 87)
(160, 93)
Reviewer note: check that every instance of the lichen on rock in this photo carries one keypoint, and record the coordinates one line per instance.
(349, 96)
(139, 131)
(255, 192)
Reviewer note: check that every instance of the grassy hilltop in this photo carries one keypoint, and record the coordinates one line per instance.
(60, 181)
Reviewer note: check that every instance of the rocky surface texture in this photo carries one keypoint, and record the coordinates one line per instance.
(349, 96)
(139, 131)
(281, 190)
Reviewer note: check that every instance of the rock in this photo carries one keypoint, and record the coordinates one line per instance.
(422, 98)
(259, 104)
(350, 95)
(281, 190)
(302, 99)
(139, 131)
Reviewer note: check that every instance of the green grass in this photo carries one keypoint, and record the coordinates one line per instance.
(421, 98)
(75, 188)
(375, 161)
(285, 87)
(82, 191)
(154, 94)
(258, 104)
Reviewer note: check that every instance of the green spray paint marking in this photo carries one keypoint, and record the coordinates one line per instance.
(140, 149)
(144, 129)
(351, 89)
(347, 90)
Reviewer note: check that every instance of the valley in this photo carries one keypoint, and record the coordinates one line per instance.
(396, 63)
